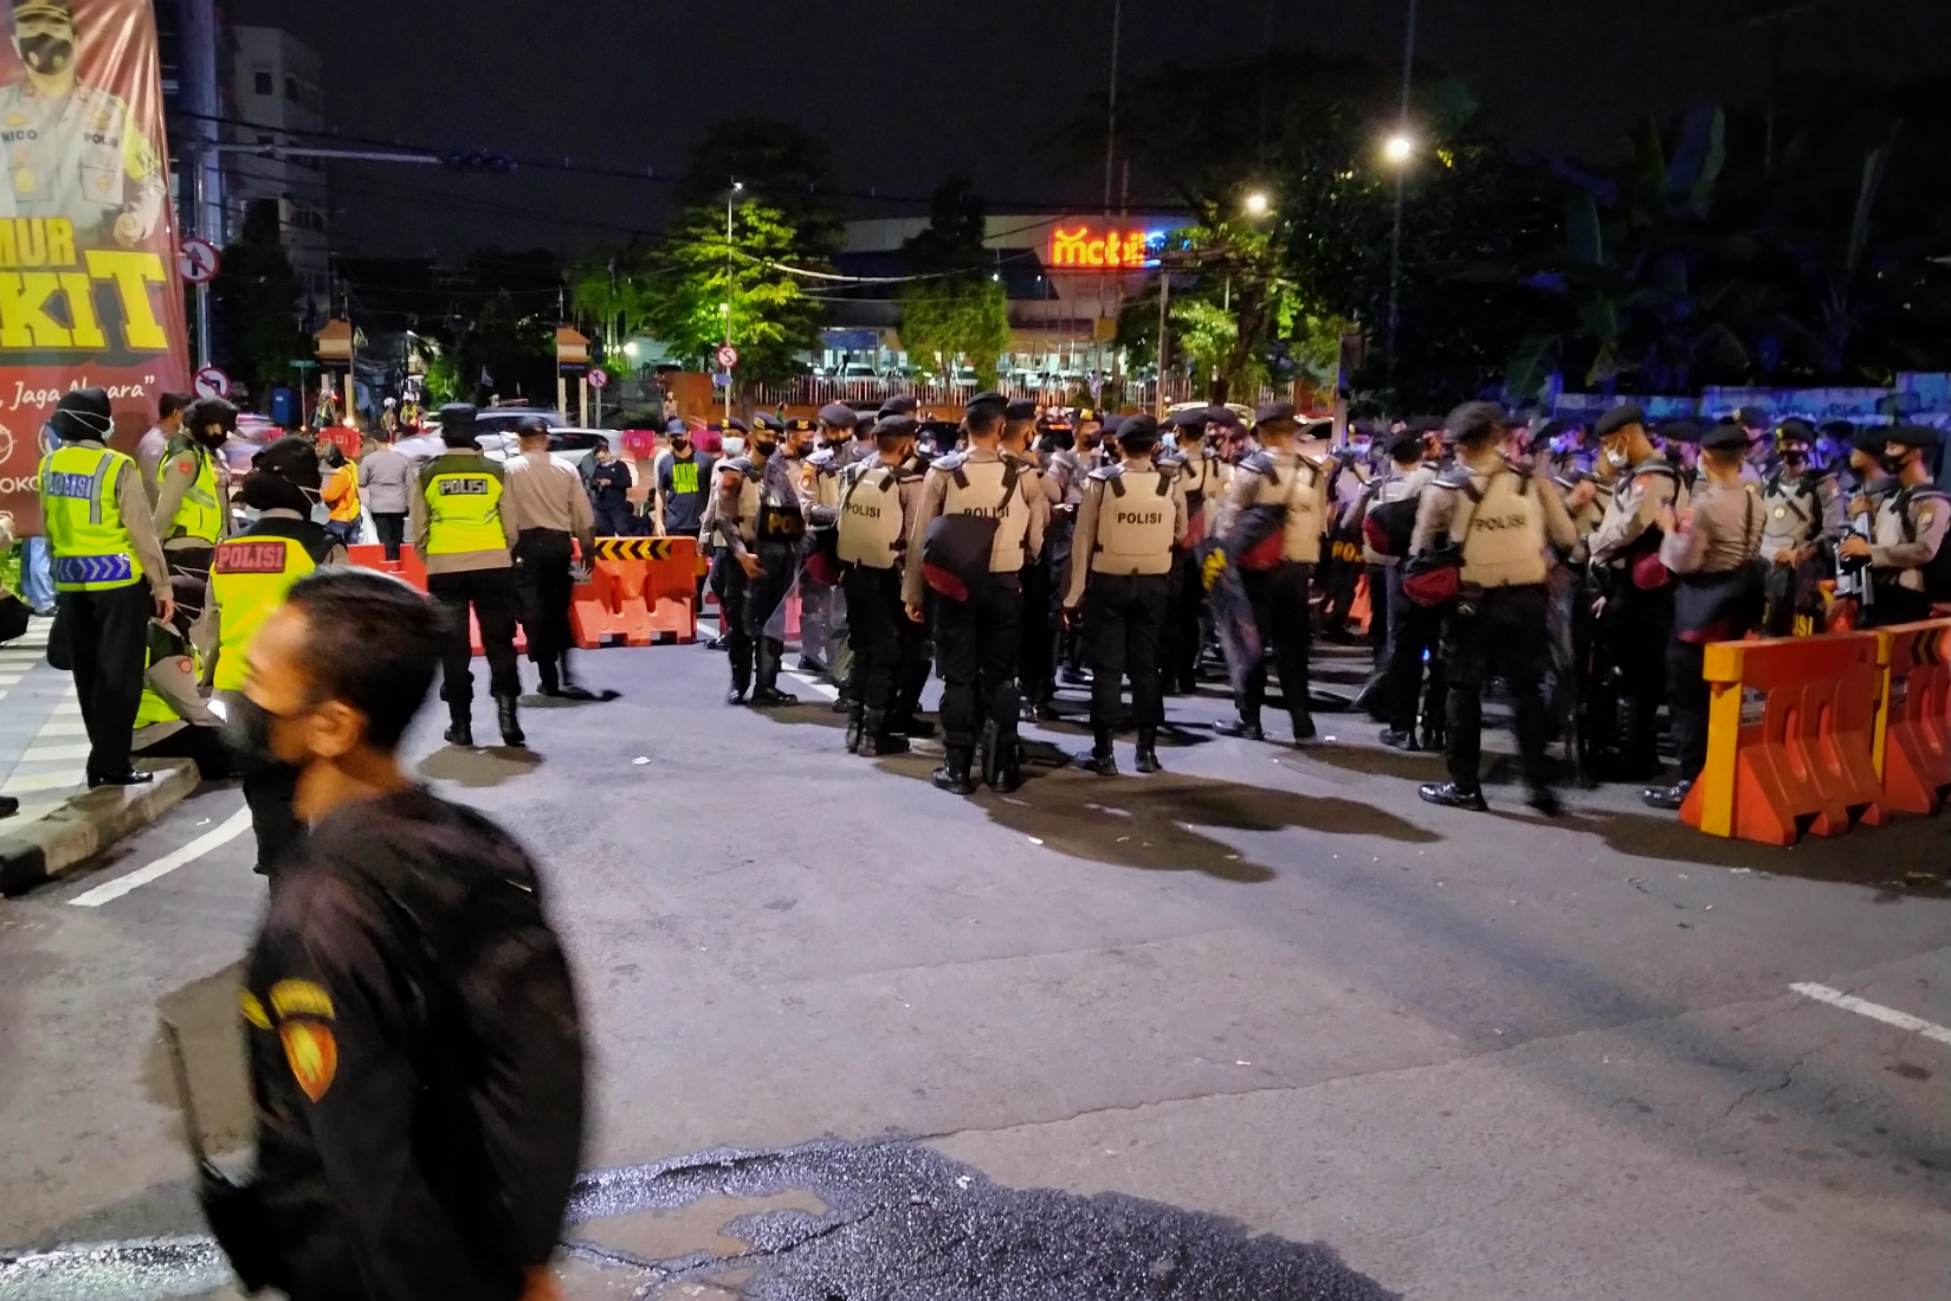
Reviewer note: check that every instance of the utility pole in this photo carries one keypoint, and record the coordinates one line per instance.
(1164, 301)
(1111, 117)
(206, 214)
(1395, 236)
(1773, 17)
(726, 307)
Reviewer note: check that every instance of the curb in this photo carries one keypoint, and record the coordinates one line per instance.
(89, 823)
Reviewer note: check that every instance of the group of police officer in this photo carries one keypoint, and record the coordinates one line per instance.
(1586, 568)
(158, 596)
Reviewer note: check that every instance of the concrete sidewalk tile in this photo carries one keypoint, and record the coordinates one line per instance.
(71, 834)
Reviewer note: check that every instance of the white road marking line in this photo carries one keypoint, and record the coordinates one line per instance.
(233, 827)
(1875, 1011)
(38, 753)
(807, 680)
(27, 783)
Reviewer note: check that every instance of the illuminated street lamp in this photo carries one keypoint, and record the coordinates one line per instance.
(1398, 149)
(1256, 204)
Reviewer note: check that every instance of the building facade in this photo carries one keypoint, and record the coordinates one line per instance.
(275, 88)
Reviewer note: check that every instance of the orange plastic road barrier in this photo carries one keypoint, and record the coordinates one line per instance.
(412, 569)
(1913, 736)
(640, 590)
(1791, 739)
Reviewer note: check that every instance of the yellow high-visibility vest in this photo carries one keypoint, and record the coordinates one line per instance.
(198, 515)
(463, 496)
(92, 548)
(249, 577)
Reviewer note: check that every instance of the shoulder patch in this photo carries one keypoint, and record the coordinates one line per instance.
(300, 998)
(313, 1055)
(252, 1009)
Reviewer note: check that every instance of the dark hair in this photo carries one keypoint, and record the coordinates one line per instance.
(170, 403)
(1475, 423)
(890, 433)
(983, 419)
(374, 643)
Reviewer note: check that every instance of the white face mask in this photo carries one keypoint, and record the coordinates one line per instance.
(1617, 460)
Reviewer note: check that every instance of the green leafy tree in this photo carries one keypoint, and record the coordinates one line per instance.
(957, 309)
(256, 295)
(699, 289)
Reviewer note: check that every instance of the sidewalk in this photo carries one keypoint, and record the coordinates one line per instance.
(44, 765)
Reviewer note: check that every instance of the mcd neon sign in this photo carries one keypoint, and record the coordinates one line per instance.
(1106, 250)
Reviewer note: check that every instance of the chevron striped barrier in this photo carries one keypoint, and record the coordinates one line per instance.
(640, 591)
(1913, 733)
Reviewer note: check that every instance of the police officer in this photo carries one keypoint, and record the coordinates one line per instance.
(878, 501)
(1132, 520)
(1909, 565)
(1801, 520)
(1506, 520)
(1636, 597)
(978, 633)
(191, 505)
(109, 576)
(548, 509)
(73, 150)
(250, 576)
(1279, 476)
(410, 1022)
(757, 522)
(174, 721)
(1198, 480)
(1411, 630)
(1711, 545)
(461, 531)
(1063, 490)
(1036, 656)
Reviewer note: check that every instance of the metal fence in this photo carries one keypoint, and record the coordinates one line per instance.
(1113, 395)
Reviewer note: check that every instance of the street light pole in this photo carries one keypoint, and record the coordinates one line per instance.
(1111, 118)
(726, 307)
(1164, 301)
(1402, 162)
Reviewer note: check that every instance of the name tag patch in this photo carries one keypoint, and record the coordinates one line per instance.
(250, 558)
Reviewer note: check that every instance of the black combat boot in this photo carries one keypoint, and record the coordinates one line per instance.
(767, 695)
(953, 775)
(1148, 750)
(550, 682)
(1101, 759)
(876, 739)
(510, 720)
(1304, 729)
(855, 723)
(572, 689)
(1452, 796)
(460, 723)
(1667, 797)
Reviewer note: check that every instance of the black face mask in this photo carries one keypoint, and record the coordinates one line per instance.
(46, 53)
(765, 448)
(680, 445)
(1893, 464)
(213, 439)
(247, 731)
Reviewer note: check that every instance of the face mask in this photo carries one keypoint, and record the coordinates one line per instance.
(677, 445)
(1618, 460)
(765, 448)
(247, 731)
(1893, 464)
(1170, 440)
(45, 52)
(321, 513)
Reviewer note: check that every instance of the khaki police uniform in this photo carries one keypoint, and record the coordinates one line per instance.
(1279, 596)
(1908, 532)
(108, 578)
(875, 505)
(1718, 597)
(1634, 622)
(978, 641)
(1506, 522)
(80, 156)
(1805, 510)
(1132, 518)
(466, 539)
(191, 506)
(756, 513)
(545, 503)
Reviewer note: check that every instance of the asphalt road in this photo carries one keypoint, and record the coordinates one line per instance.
(1431, 1053)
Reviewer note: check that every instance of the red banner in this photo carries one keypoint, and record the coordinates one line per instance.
(89, 290)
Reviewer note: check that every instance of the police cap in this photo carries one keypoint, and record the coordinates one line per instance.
(1619, 419)
(765, 420)
(896, 406)
(1751, 418)
(1725, 438)
(1223, 416)
(801, 424)
(1274, 413)
(531, 427)
(892, 429)
(838, 415)
(1912, 436)
(1686, 431)
(1868, 438)
(457, 424)
(1795, 430)
(292, 459)
(1138, 434)
(61, 9)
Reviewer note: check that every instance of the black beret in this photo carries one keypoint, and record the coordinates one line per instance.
(1020, 409)
(897, 427)
(987, 404)
(1223, 416)
(1912, 435)
(1751, 417)
(1138, 433)
(1796, 430)
(1869, 438)
(1193, 419)
(1725, 438)
(1686, 431)
(1276, 413)
(738, 425)
(839, 415)
(1619, 418)
(897, 406)
(765, 420)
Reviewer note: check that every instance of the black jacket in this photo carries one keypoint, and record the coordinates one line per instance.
(416, 1062)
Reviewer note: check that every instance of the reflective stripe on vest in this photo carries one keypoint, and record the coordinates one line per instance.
(92, 548)
(248, 580)
(1504, 537)
(870, 519)
(1135, 521)
(464, 512)
(197, 515)
(977, 489)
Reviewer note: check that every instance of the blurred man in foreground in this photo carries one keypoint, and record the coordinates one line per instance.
(415, 1052)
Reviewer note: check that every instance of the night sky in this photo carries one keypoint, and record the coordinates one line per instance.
(906, 91)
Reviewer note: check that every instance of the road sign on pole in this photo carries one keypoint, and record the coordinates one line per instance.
(212, 383)
(198, 261)
(727, 357)
(598, 377)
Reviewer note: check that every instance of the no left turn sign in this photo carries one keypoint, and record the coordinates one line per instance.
(198, 261)
(212, 383)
